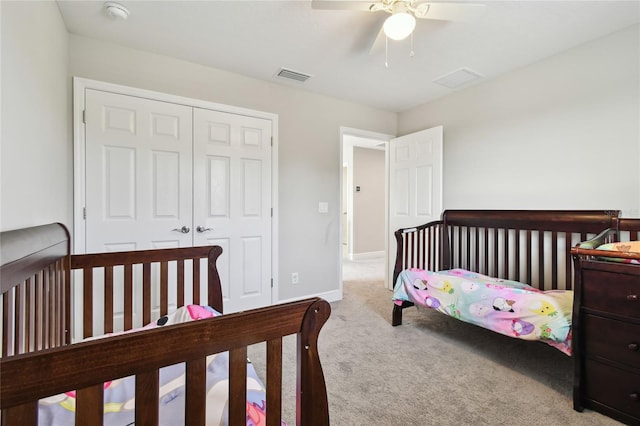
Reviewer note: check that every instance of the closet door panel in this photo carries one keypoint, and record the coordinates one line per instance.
(138, 172)
(232, 201)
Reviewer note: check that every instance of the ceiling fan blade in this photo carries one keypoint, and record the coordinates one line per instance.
(364, 5)
(449, 11)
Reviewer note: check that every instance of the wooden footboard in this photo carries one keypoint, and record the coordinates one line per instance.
(143, 353)
(39, 277)
(522, 245)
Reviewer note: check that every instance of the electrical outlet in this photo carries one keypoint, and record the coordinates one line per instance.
(294, 278)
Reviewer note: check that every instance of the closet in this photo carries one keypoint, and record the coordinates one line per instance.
(158, 173)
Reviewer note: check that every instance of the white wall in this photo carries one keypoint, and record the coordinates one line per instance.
(369, 202)
(563, 133)
(308, 146)
(35, 149)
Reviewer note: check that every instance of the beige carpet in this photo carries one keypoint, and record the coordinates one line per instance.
(432, 370)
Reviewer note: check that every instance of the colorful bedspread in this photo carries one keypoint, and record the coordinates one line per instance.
(119, 394)
(507, 307)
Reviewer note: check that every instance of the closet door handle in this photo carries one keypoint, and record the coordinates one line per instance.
(184, 229)
(203, 229)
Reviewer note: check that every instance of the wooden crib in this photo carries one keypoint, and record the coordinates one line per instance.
(40, 282)
(530, 246)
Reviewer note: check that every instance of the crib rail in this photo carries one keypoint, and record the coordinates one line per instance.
(531, 246)
(419, 247)
(73, 367)
(132, 273)
(629, 229)
(527, 246)
(36, 313)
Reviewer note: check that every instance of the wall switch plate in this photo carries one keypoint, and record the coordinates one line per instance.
(323, 207)
(294, 278)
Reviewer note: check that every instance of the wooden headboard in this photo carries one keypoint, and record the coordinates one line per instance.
(532, 246)
(46, 321)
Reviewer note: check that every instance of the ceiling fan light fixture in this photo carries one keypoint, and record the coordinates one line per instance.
(401, 23)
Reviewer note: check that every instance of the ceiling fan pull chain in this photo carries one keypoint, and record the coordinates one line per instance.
(386, 52)
(412, 53)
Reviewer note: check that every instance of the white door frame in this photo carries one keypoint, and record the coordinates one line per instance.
(383, 138)
(79, 86)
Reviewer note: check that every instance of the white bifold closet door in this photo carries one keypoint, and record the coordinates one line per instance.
(163, 175)
(232, 202)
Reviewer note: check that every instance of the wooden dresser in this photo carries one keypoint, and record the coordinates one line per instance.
(606, 338)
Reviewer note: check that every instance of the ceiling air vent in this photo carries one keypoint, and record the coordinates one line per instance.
(458, 78)
(293, 75)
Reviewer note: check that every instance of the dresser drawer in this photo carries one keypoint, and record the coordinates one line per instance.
(610, 386)
(611, 292)
(615, 340)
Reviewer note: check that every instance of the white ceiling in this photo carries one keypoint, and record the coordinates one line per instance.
(257, 38)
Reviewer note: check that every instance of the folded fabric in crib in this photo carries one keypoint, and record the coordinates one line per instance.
(507, 307)
(119, 395)
(621, 247)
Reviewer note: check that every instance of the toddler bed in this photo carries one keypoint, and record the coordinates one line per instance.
(508, 271)
(187, 365)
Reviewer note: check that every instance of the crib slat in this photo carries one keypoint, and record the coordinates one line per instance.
(517, 255)
(237, 386)
(568, 263)
(195, 392)
(146, 293)
(28, 316)
(274, 382)
(180, 289)
(108, 299)
(53, 307)
(147, 388)
(196, 281)
(505, 245)
(38, 312)
(46, 315)
(540, 260)
(25, 414)
(528, 256)
(90, 405)
(18, 321)
(554, 261)
(87, 320)
(6, 315)
(164, 288)
(128, 297)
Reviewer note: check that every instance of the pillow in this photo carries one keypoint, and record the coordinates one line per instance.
(622, 247)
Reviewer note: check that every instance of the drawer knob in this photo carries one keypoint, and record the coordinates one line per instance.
(634, 396)
(632, 297)
(633, 346)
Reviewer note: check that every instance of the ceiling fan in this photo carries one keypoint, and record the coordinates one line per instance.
(402, 21)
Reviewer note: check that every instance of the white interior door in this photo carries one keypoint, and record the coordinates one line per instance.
(415, 183)
(138, 173)
(232, 202)
(138, 183)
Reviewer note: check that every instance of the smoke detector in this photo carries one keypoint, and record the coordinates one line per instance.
(116, 10)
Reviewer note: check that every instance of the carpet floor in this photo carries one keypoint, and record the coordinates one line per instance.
(431, 370)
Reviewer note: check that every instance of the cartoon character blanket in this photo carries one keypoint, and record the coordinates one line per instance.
(119, 394)
(507, 307)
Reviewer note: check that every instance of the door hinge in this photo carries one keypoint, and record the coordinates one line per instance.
(271, 140)
(271, 211)
(271, 282)
(84, 116)
(84, 212)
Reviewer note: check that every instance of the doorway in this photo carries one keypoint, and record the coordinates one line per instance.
(364, 201)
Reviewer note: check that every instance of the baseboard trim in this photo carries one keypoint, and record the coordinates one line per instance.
(367, 255)
(329, 296)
